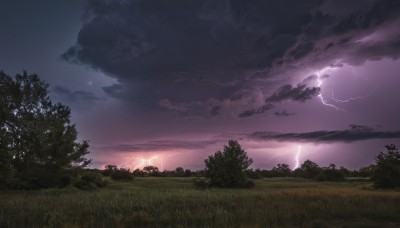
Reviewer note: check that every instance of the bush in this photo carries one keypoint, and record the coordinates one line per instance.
(200, 183)
(13, 183)
(94, 178)
(84, 185)
(121, 174)
(36, 178)
(250, 184)
(330, 175)
(387, 171)
(90, 180)
(309, 169)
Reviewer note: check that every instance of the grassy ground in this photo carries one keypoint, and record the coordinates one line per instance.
(172, 202)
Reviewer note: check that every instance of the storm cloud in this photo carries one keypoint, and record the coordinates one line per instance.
(78, 99)
(354, 133)
(175, 51)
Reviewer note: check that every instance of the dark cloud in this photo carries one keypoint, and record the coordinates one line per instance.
(207, 108)
(160, 145)
(193, 51)
(288, 92)
(354, 133)
(284, 113)
(254, 111)
(300, 93)
(79, 99)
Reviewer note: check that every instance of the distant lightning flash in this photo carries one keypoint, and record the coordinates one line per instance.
(139, 162)
(297, 157)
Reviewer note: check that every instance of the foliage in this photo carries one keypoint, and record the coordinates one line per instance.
(151, 170)
(330, 174)
(254, 174)
(36, 134)
(281, 170)
(109, 169)
(200, 183)
(310, 169)
(226, 169)
(387, 171)
(121, 174)
(90, 180)
(365, 171)
(138, 173)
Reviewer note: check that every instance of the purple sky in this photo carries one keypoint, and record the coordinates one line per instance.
(168, 83)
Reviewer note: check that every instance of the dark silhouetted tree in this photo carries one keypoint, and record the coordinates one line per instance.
(330, 173)
(179, 172)
(387, 171)
(151, 170)
(281, 170)
(227, 168)
(121, 174)
(310, 169)
(35, 132)
(109, 169)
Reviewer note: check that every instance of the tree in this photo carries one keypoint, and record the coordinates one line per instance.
(179, 171)
(227, 168)
(151, 170)
(281, 170)
(310, 169)
(330, 173)
(387, 171)
(35, 132)
(109, 169)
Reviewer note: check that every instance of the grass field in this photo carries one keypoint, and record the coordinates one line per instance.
(172, 202)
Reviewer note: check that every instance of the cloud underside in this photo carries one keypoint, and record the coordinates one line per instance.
(160, 146)
(180, 55)
(354, 133)
(78, 99)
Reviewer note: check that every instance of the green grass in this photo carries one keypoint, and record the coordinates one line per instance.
(172, 202)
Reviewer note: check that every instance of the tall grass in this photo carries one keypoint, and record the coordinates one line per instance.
(172, 202)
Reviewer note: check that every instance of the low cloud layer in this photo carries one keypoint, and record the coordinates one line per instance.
(160, 146)
(354, 133)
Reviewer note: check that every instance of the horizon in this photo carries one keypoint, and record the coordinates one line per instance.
(152, 83)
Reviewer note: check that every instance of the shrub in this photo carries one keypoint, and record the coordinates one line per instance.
(94, 178)
(84, 185)
(330, 175)
(121, 174)
(200, 183)
(13, 183)
(254, 174)
(387, 171)
(250, 184)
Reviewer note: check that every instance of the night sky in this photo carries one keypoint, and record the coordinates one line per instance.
(167, 83)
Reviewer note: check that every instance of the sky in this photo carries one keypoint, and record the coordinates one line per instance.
(168, 83)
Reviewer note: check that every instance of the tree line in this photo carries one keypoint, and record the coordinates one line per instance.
(39, 149)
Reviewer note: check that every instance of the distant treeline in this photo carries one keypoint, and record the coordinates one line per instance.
(308, 169)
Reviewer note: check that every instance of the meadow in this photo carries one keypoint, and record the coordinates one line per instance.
(173, 202)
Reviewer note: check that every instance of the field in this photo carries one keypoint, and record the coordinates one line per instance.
(172, 202)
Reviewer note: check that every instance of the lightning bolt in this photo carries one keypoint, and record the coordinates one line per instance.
(320, 96)
(351, 98)
(297, 157)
